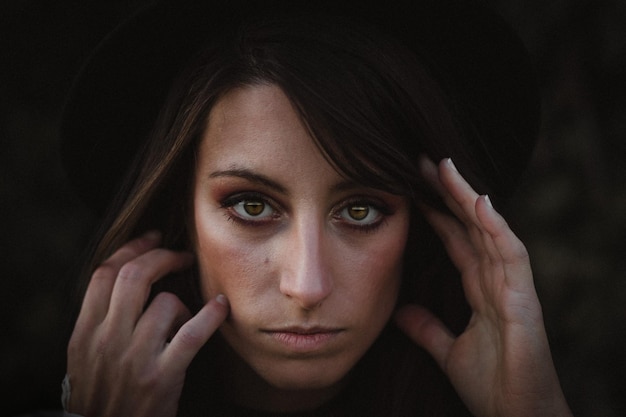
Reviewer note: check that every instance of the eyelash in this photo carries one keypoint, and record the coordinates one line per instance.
(233, 200)
(382, 209)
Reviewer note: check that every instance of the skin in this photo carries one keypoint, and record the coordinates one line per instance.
(501, 364)
(304, 260)
(124, 360)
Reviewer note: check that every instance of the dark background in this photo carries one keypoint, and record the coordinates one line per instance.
(570, 211)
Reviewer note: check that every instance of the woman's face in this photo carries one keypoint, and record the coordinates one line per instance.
(311, 262)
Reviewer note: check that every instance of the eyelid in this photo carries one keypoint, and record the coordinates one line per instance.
(375, 202)
(381, 207)
(233, 199)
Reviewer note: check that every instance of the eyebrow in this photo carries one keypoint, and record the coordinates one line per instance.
(257, 178)
(250, 176)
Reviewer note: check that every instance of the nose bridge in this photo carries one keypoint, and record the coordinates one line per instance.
(305, 275)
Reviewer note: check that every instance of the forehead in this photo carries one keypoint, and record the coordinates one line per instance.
(250, 108)
(257, 127)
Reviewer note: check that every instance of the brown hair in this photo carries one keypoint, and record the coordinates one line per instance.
(372, 108)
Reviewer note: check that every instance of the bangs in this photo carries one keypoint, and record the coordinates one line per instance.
(369, 105)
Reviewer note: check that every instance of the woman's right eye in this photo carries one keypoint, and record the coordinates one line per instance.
(249, 208)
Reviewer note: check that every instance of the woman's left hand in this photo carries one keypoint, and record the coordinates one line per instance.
(501, 364)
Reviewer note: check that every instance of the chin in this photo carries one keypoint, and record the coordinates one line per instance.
(304, 377)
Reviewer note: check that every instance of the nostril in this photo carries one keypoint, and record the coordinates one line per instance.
(309, 292)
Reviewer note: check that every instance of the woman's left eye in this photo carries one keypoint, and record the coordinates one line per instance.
(360, 214)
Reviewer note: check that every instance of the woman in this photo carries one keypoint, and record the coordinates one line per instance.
(287, 197)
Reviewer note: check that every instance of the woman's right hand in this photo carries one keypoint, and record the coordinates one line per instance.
(119, 360)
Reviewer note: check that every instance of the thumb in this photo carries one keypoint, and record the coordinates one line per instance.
(427, 331)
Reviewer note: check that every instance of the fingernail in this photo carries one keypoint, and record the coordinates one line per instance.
(221, 298)
(449, 161)
(488, 201)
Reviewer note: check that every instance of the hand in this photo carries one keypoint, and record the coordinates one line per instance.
(119, 360)
(501, 364)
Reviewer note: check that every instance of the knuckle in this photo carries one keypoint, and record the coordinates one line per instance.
(140, 269)
(133, 361)
(103, 346)
(146, 375)
(107, 341)
(131, 272)
(75, 346)
(189, 338)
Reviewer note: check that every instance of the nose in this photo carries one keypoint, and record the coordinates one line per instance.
(305, 274)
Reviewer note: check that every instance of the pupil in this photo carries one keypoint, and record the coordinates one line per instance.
(359, 212)
(254, 208)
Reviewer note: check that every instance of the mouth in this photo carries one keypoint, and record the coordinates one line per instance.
(304, 339)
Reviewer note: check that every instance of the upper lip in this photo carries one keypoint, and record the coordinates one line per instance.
(303, 330)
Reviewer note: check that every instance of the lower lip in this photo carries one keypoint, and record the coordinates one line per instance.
(302, 343)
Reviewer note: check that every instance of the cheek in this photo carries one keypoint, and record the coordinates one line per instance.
(373, 273)
(225, 262)
(386, 268)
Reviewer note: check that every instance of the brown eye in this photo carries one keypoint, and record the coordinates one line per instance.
(253, 208)
(256, 209)
(358, 212)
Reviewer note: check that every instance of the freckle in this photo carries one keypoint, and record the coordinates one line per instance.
(267, 261)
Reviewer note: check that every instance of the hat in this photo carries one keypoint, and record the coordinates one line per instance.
(116, 98)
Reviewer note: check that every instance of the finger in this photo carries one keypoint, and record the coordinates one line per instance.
(430, 172)
(491, 257)
(96, 301)
(508, 250)
(132, 286)
(194, 334)
(161, 320)
(434, 175)
(460, 191)
(467, 199)
(427, 331)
